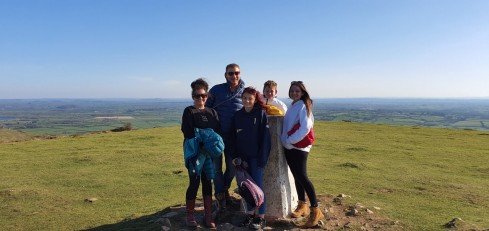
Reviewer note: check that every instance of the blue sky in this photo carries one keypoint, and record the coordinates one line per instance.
(154, 49)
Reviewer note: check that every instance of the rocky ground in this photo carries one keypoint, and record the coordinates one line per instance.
(339, 212)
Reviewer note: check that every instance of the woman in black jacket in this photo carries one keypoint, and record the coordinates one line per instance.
(199, 116)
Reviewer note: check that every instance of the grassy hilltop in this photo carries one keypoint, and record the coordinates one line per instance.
(422, 177)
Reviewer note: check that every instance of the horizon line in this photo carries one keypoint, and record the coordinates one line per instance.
(182, 98)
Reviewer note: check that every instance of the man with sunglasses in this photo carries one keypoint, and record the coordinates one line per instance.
(225, 98)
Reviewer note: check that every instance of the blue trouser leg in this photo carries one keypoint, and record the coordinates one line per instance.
(257, 173)
(219, 177)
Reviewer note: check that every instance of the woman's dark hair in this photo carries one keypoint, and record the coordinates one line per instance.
(305, 95)
(258, 97)
(199, 83)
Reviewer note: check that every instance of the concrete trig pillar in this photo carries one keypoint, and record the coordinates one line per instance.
(279, 186)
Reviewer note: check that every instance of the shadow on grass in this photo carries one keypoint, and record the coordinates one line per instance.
(173, 218)
(337, 211)
(147, 222)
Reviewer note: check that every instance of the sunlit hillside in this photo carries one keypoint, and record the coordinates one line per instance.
(422, 177)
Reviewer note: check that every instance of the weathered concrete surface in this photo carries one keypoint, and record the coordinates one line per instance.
(279, 186)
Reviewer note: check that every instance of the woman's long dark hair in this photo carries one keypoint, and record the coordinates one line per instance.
(305, 95)
(258, 97)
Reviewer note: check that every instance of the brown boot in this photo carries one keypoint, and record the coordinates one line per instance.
(209, 222)
(190, 207)
(314, 217)
(302, 210)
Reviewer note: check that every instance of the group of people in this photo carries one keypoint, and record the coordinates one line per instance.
(237, 113)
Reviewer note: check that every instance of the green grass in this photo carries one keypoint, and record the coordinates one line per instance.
(422, 177)
(44, 182)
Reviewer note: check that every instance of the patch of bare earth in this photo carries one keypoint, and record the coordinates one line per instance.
(339, 215)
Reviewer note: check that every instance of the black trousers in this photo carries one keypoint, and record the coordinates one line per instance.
(297, 161)
(194, 183)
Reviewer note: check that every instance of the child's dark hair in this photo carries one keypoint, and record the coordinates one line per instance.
(258, 97)
(199, 83)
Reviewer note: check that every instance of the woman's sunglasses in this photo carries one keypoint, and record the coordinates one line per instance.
(198, 96)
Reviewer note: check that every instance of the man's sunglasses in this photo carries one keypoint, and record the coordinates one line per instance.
(231, 73)
(198, 96)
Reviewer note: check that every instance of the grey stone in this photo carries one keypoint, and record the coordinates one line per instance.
(164, 222)
(344, 196)
(91, 199)
(454, 223)
(279, 187)
(169, 215)
(225, 227)
(395, 223)
(359, 206)
(352, 212)
(338, 200)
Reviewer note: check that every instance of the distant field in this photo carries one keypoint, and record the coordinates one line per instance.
(71, 116)
(422, 177)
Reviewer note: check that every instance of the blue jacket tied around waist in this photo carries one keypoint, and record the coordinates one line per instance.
(200, 150)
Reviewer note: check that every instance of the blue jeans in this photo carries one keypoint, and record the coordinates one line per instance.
(222, 181)
(257, 174)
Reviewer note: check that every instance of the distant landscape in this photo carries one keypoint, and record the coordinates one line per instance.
(79, 116)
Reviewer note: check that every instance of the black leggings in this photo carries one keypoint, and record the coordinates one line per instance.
(297, 160)
(193, 186)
